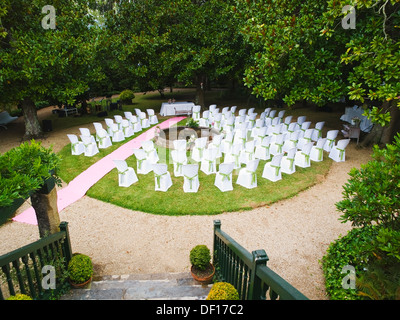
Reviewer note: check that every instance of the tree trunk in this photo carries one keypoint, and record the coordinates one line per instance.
(200, 86)
(46, 210)
(32, 125)
(384, 135)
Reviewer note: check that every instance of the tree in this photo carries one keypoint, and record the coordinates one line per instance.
(187, 41)
(44, 64)
(302, 52)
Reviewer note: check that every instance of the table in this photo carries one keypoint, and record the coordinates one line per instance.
(351, 132)
(172, 109)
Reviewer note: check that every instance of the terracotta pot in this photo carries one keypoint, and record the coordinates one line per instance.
(80, 285)
(203, 279)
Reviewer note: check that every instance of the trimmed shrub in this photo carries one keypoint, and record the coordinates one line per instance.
(80, 268)
(127, 96)
(200, 257)
(19, 296)
(223, 291)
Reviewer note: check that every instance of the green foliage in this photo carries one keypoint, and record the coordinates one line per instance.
(80, 268)
(372, 192)
(19, 296)
(127, 96)
(23, 170)
(191, 123)
(223, 291)
(200, 257)
(348, 250)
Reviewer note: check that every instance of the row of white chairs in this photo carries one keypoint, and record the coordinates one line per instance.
(116, 130)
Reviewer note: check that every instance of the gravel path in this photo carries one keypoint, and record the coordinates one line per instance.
(295, 233)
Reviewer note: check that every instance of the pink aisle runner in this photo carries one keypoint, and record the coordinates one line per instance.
(78, 187)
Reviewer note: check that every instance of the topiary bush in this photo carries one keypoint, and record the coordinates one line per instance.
(19, 296)
(200, 257)
(223, 291)
(127, 96)
(80, 268)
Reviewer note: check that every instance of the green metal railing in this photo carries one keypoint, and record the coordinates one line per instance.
(21, 270)
(248, 272)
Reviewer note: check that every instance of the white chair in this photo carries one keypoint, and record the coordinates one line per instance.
(287, 163)
(338, 152)
(277, 146)
(233, 155)
(204, 120)
(267, 111)
(259, 134)
(90, 146)
(251, 120)
(126, 175)
(240, 136)
(144, 166)
(301, 119)
(272, 169)
(330, 140)
(287, 121)
(137, 127)
(317, 151)
(118, 120)
(103, 139)
(291, 141)
(242, 112)
(86, 132)
(247, 176)
(281, 114)
(98, 126)
(196, 113)
(233, 109)
(209, 161)
(117, 133)
(179, 159)
(229, 124)
(227, 142)
(190, 177)
(151, 152)
(306, 138)
(247, 154)
(262, 150)
(293, 126)
(77, 147)
(109, 123)
(223, 178)
(180, 144)
(127, 129)
(162, 177)
(216, 143)
(218, 121)
(198, 149)
(144, 121)
(317, 133)
(271, 114)
(128, 115)
(152, 116)
(138, 112)
(303, 127)
(302, 157)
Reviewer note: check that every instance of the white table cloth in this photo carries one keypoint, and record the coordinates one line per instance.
(351, 112)
(168, 109)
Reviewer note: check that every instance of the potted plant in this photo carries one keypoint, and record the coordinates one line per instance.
(191, 123)
(127, 96)
(223, 291)
(202, 270)
(80, 270)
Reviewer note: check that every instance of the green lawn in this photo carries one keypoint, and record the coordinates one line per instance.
(209, 199)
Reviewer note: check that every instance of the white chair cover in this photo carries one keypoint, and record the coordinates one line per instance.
(338, 152)
(198, 149)
(179, 159)
(117, 133)
(152, 116)
(302, 157)
(126, 175)
(272, 169)
(233, 155)
(144, 166)
(209, 161)
(127, 129)
(330, 140)
(162, 177)
(223, 178)
(262, 150)
(287, 163)
(77, 147)
(103, 139)
(317, 151)
(317, 133)
(190, 177)
(151, 152)
(90, 146)
(247, 176)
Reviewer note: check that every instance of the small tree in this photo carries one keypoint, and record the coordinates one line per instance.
(24, 170)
